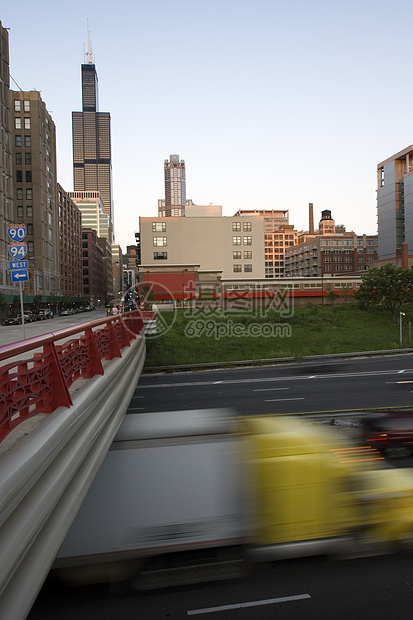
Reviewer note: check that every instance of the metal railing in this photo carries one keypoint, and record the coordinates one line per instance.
(40, 384)
(47, 473)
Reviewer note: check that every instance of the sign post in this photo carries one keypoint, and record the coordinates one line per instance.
(18, 266)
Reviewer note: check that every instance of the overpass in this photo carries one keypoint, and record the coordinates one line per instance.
(62, 398)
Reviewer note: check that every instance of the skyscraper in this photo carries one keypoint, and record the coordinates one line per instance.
(175, 186)
(92, 165)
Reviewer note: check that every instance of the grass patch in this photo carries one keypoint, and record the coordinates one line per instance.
(312, 330)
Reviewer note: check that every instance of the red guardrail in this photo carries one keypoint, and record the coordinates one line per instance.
(41, 384)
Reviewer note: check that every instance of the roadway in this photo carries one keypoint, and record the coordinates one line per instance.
(14, 333)
(306, 588)
(285, 388)
(310, 588)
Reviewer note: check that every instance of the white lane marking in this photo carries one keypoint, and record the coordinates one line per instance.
(270, 389)
(371, 373)
(401, 371)
(275, 400)
(268, 601)
(136, 397)
(133, 409)
(216, 382)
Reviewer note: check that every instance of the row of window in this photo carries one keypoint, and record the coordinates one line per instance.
(29, 193)
(18, 141)
(238, 268)
(237, 240)
(237, 255)
(27, 159)
(18, 105)
(19, 176)
(18, 123)
(246, 226)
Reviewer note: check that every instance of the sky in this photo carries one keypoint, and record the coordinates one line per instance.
(272, 105)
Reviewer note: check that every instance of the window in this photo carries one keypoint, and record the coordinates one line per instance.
(28, 176)
(19, 176)
(247, 240)
(158, 226)
(159, 241)
(28, 159)
(160, 255)
(248, 255)
(18, 140)
(236, 255)
(27, 141)
(17, 106)
(29, 211)
(248, 268)
(19, 194)
(26, 104)
(27, 123)
(17, 122)
(236, 240)
(236, 226)
(18, 159)
(29, 194)
(30, 247)
(29, 229)
(247, 226)
(19, 211)
(237, 268)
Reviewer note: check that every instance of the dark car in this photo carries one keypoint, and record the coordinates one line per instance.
(40, 315)
(12, 320)
(390, 432)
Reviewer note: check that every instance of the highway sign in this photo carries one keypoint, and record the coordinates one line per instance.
(20, 276)
(16, 232)
(17, 250)
(19, 264)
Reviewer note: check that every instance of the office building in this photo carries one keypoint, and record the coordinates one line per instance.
(279, 234)
(175, 186)
(229, 245)
(35, 188)
(92, 165)
(70, 244)
(6, 167)
(94, 286)
(395, 204)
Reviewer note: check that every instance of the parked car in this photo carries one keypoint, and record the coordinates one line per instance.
(40, 315)
(66, 312)
(29, 317)
(12, 320)
(49, 313)
(390, 432)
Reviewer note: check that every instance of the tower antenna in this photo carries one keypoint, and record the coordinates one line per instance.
(89, 54)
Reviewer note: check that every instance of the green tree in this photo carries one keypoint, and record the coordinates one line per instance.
(387, 286)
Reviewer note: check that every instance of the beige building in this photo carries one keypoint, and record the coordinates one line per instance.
(6, 167)
(279, 234)
(34, 154)
(231, 245)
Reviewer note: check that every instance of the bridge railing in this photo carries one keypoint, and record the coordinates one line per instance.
(38, 372)
(46, 472)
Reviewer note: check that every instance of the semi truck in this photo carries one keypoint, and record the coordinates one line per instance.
(191, 496)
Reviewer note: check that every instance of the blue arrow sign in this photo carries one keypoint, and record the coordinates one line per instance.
(17, 250)
(17, 232)
(19, 264)
(20, 276)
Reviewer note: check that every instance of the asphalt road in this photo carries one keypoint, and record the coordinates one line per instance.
(281, 389)
(378, 587)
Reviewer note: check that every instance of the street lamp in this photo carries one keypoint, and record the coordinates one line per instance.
(401, 323)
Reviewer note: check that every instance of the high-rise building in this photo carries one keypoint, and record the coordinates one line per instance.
(34, 154)
(6, 164)
(395, 203)
(92, 164)
(175, 186)
(70, 244)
